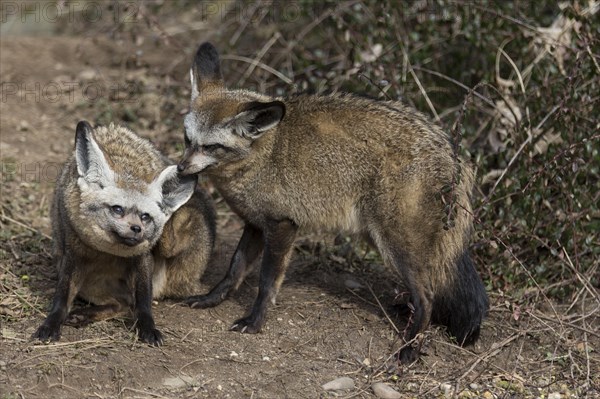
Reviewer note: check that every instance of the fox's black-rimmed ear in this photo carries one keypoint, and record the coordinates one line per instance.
(83, 133)
(206, 69)
(175, 188)
(91, 163)
(257, 117)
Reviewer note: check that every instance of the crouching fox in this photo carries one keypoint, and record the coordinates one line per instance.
(127, 228)
(342, 162)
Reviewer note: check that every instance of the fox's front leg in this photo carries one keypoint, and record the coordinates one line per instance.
(144, 325)
(66, 290)
(279, 240)
(248, 249)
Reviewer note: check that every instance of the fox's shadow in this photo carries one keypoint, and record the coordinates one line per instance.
(319, 267)
(328, 269)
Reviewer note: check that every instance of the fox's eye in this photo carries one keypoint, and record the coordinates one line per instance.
(145, 217)
(118, 210)
(212, 147)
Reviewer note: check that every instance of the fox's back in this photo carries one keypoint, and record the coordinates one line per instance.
(331, 156)
(350, 137)
(382, 123)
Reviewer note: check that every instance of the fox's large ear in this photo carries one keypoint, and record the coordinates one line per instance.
(256, 117)
(91, 163)
(176, 189)
(206, 70)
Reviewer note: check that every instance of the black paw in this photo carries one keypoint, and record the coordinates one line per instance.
(408, 355)
(47, 333)
(203, 301)
(247, 325)
(150, 336)
(146, 330)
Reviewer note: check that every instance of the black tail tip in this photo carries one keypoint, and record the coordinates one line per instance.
(466, 338)
(462, 306)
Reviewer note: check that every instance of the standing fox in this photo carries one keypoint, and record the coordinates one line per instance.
(374, 168)
(123, 232)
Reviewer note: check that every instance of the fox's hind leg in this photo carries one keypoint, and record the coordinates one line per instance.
(279, 241)
(395, 255)
(87, 315)
(248, 249)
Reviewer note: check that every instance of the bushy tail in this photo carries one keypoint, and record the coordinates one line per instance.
(464, 304)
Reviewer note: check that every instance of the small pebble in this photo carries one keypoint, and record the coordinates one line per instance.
(474, 386)
(555, 395)
(352, 284)
(233, 354)
(338, 384)
(266, 359)
(178, 382)
(412, 386)
(446, 388)
(56, 148)
(384, 391)
(87, 74)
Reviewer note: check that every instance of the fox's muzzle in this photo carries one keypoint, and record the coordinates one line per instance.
(185, 168)
(194, 162)
(181, 167)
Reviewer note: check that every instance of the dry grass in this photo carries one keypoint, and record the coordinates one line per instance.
(517, 87)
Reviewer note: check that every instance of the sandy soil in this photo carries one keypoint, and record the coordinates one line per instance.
(328, 322)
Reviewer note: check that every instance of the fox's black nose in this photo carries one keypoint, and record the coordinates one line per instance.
(180, 167)
(135, 228)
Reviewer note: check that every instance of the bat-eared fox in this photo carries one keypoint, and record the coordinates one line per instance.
(127, 228)
(340, 162)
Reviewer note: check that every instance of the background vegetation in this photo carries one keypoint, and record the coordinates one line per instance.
(516, 83)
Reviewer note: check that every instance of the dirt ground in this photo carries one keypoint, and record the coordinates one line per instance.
(334, 313)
